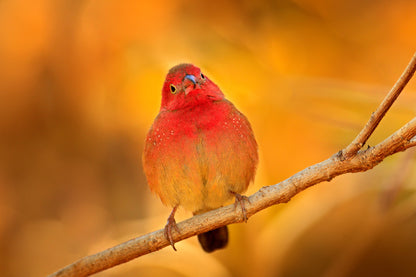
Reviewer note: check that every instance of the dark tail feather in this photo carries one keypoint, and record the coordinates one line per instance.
(214, 239)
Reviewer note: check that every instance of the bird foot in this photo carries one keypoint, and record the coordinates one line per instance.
(240, 199)
(171, 224)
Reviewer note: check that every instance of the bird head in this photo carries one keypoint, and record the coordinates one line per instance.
(186, 86)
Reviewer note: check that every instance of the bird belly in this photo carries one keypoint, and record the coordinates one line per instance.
(198, 168)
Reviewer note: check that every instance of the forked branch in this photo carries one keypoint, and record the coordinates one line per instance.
(381, 111)
(349, 160)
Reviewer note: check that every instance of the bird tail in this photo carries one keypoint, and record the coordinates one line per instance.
(214, 239)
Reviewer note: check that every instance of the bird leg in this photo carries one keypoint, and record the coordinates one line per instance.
(171, 224)
(240, 199)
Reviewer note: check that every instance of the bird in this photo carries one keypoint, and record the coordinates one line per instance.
(200, 151)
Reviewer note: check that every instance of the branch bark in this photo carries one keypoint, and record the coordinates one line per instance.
(349, 160)
(381, 111)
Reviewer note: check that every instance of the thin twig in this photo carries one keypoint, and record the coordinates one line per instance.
(282, 192)
(376, 117)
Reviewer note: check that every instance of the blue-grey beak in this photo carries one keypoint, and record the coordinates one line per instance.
(191, 78)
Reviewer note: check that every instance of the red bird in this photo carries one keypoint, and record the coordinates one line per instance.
(200, 151)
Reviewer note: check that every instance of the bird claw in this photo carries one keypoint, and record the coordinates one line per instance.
(171, 224)
(240, 199)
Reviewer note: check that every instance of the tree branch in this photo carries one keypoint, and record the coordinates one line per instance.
(382, 109)
(346, 161)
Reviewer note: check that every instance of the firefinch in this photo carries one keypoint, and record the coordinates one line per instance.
(200, 151)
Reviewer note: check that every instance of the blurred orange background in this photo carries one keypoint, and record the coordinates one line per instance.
(80, 84)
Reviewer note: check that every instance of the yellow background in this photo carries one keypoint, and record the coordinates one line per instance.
(80, 85)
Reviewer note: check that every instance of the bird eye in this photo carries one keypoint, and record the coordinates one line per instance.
(202, 76)
(172, 89)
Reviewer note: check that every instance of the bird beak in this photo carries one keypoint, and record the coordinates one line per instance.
(189, 83)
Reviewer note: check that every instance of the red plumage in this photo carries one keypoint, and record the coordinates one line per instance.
(200, 150)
